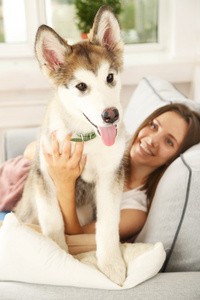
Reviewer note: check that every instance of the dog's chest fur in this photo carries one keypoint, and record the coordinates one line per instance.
(85, 201)
(101, 161)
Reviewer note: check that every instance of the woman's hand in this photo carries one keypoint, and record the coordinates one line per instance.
(64, 168)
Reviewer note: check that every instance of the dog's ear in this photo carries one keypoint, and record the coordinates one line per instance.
(50, 49)
(106, 30)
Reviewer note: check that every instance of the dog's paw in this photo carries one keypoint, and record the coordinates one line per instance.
(114, 269)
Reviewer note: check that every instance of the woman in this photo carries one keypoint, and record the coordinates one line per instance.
(160, 139)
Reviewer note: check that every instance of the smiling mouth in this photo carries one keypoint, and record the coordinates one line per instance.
(145, 149)
(107, 133)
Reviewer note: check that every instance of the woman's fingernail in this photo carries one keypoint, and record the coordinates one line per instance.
(54, 132)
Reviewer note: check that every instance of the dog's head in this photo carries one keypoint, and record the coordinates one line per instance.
(87, 74)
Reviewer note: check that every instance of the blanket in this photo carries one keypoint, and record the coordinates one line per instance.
(28, 256)
(13, 174)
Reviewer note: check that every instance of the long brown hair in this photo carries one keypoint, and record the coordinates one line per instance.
(192, 137)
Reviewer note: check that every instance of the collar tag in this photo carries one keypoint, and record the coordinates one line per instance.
(84, 137)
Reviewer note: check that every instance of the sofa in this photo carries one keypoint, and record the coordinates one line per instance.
(174, 217)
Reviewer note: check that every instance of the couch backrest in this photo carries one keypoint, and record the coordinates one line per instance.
(16, 140)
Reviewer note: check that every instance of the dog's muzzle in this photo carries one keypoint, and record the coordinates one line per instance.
(107, 133)
(110, 115)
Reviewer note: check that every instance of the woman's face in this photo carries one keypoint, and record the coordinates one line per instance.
(159, 141)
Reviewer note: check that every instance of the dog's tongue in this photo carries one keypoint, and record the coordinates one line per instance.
(108, 135)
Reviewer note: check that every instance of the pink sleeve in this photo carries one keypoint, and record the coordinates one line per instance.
(13, 174)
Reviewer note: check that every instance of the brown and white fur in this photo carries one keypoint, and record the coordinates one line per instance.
(86, 79)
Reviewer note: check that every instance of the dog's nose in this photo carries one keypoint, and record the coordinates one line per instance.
(110, 115)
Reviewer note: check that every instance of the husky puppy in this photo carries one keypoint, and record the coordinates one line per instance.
(86, 103)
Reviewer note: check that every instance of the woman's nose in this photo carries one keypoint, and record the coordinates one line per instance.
(154, 139)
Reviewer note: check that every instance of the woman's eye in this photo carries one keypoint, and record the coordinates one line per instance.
(110, 78)
(170, 143)
(152, 125)
(81, 87)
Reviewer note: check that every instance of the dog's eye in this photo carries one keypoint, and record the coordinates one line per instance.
(110, 78)
(82, 87)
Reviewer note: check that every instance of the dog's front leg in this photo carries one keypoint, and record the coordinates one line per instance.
(109, 256)
(49, 213)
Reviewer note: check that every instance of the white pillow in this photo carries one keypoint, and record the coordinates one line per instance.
(151, 94)
(28, 256)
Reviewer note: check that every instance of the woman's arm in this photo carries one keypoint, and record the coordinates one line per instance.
(29, 152)
(64, 181)
(131, 223)
(64, 176)
(64, 169)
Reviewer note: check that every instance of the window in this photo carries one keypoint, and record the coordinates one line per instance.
(19, 20)
(139, 21)
(61, 17)
(138, 18)
(12, 21)
(152, 30)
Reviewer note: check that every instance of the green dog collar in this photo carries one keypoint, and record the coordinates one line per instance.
(84, 137)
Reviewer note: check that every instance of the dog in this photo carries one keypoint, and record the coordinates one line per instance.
(86, 103)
